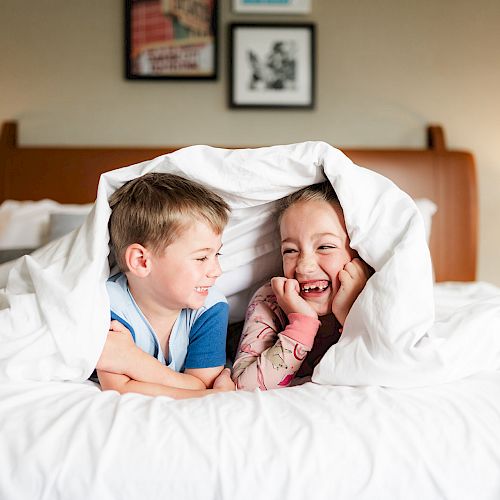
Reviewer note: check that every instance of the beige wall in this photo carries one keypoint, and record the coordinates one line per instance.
(385, 70)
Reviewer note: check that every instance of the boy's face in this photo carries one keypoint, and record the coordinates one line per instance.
(315, 247)
(181, 275)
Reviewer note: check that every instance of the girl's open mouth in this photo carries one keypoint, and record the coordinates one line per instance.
(314, 288)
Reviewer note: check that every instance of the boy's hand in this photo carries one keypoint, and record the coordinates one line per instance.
(287, 293)
(119, 344)
(223, 381)
(353, 279)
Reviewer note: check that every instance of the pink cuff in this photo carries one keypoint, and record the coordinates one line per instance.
(302, 328)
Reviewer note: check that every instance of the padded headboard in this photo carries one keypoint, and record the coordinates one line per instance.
(70, 175)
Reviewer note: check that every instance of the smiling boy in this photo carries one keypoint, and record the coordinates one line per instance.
(169, 324)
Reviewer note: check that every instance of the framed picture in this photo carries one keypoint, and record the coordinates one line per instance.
(171, 39)
(272, 65)
(272, 6)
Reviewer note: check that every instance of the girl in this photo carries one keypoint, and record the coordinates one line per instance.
(283, 339)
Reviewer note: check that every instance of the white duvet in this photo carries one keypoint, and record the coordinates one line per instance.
(406, 405)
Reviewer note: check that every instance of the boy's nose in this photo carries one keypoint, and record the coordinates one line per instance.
(215, 271)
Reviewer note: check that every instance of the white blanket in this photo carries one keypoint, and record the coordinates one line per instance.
(72, 441)
(54, 312)
(66, 440)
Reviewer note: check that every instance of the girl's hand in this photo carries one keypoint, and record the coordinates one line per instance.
(353, 279)
(287, 293)
(119, 346)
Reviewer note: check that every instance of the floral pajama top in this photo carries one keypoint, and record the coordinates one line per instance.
(276, 350)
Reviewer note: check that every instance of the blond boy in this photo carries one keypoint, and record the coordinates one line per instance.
(169, 324)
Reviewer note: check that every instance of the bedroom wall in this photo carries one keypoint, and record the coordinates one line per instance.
(385, 70)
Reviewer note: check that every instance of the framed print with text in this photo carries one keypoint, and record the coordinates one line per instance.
(171, 39)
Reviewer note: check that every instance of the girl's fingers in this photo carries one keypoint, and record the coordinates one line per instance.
(343, 276)
(278, 284)
(357, 268)
(283, 286)
(292, 287)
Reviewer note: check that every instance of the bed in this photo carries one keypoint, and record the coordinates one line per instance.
(67, 439)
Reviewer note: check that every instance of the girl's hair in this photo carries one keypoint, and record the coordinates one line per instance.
(153, 209)
(317, 192)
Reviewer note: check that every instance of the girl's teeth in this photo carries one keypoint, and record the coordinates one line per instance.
(308, 288)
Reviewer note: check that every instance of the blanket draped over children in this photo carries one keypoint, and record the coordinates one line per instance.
(54, 310)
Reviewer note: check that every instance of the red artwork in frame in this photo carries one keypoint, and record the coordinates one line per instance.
(171, 39)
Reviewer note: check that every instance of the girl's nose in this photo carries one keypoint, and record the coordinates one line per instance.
(306, 264)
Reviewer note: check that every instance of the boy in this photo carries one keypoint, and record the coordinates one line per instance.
(165, 233)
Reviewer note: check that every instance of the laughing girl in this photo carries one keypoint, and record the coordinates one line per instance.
(293, 320)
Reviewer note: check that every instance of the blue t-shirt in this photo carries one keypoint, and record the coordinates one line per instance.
(198, 337)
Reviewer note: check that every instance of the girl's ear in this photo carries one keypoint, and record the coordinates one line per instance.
(138, 260)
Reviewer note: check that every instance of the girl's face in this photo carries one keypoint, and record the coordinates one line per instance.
(315, 247)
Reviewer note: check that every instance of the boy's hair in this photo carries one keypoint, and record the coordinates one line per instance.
(316, 192)
(153, 209)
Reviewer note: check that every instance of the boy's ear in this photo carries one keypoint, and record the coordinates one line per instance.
(138, 260)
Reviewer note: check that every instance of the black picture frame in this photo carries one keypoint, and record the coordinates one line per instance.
(272, 65)
(171, 40)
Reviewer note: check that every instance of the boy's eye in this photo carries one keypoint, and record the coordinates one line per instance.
(289, 250)
(218, 254)
(202, 259)
(327, 247)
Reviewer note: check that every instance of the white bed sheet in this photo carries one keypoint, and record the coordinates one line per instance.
(67, 440)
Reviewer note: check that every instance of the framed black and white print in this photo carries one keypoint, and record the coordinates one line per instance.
(272, 65)
(272, 6)
(171, 39)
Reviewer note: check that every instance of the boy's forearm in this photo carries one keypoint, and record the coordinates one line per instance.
(150, 389)
(123, 384)
(145, 368)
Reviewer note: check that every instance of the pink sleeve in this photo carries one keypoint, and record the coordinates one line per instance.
(270, 353)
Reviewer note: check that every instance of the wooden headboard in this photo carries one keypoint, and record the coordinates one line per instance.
(70, 175)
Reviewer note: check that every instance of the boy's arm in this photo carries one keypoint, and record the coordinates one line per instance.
(122, 357)
(124, 384)
(206, 375)
(266, 357)
(206, 353)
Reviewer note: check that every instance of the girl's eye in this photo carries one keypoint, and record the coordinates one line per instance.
(203, 259)
(289, 250)
(218, 254)
(327, 247)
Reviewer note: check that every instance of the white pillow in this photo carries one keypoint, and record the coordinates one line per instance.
(427, 209)
(61, 223)
(26, 224)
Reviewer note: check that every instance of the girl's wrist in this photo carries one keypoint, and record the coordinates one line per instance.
(310, 313)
